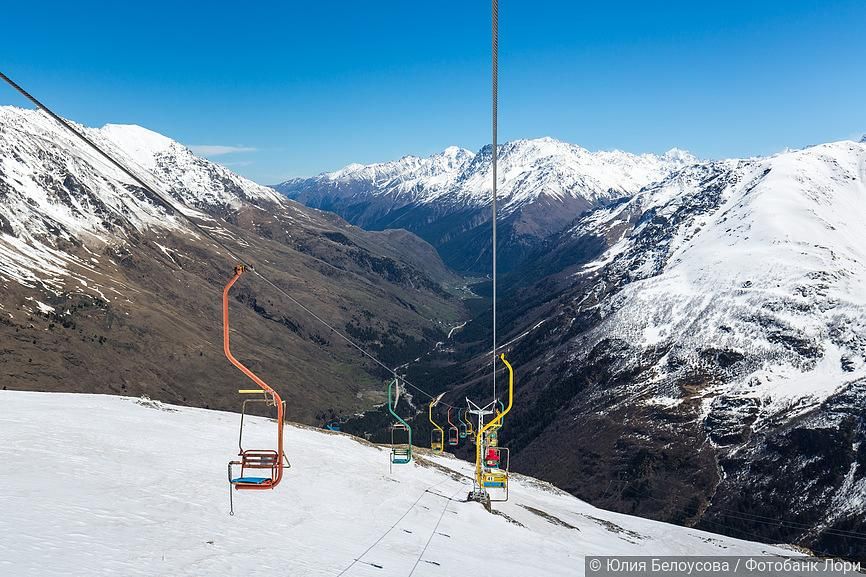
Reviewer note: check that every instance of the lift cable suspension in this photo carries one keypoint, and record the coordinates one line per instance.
(169, 204)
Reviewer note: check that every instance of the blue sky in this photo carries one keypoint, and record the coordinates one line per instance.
(300, 88)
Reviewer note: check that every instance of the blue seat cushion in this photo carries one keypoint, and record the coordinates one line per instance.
(251, 480)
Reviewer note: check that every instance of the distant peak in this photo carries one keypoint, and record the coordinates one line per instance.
(453, 154)
(863, 138)
(680, 155)
(455, 151)
(537, 141)
(135, 137)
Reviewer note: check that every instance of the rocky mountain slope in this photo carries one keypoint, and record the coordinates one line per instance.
(108, 508)
(105, 290)
(696, 353)
(544, 184)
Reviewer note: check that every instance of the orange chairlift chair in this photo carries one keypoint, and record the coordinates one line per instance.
(260, 469)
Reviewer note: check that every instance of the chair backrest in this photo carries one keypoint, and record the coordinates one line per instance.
(255, 459)
(437, 443)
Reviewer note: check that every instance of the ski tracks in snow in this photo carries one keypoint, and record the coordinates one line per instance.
(421, 519)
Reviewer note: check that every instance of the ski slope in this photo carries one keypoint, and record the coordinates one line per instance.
(100, 485)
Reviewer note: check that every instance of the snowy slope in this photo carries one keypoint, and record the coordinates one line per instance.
(764, 259)
(709, 331)
(117, 486)
(56, 191)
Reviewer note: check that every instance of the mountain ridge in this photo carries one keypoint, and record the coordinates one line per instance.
(707, 335)
(106, 290)
(544, 184)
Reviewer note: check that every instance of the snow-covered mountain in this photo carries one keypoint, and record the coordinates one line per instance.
(544, 184)
(762, 262)
(54, 189)
(691, 348)
(709, 331)
(103, 289)
(136, 487)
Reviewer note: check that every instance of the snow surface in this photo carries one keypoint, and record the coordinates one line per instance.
(132, 487)
(763, 257)
(56, 191)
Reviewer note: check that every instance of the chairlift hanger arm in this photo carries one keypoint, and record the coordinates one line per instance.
(248, 457)
(170, 205)
(394, 383)
(449, 417)
(479, 438)
(430, 414)
(239, 270)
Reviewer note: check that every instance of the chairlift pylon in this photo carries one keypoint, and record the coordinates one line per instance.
(491, 461)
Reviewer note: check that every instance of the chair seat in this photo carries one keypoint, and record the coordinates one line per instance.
(494, 479)
(251, 480)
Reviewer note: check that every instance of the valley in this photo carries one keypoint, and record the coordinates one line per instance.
(669, 335)
(407, 290)
(684, 353)
(106, 291)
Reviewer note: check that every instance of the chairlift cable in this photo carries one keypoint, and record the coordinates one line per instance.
(170, 205)
(495, 118)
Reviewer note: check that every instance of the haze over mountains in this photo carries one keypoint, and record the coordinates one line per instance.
(544, 184)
